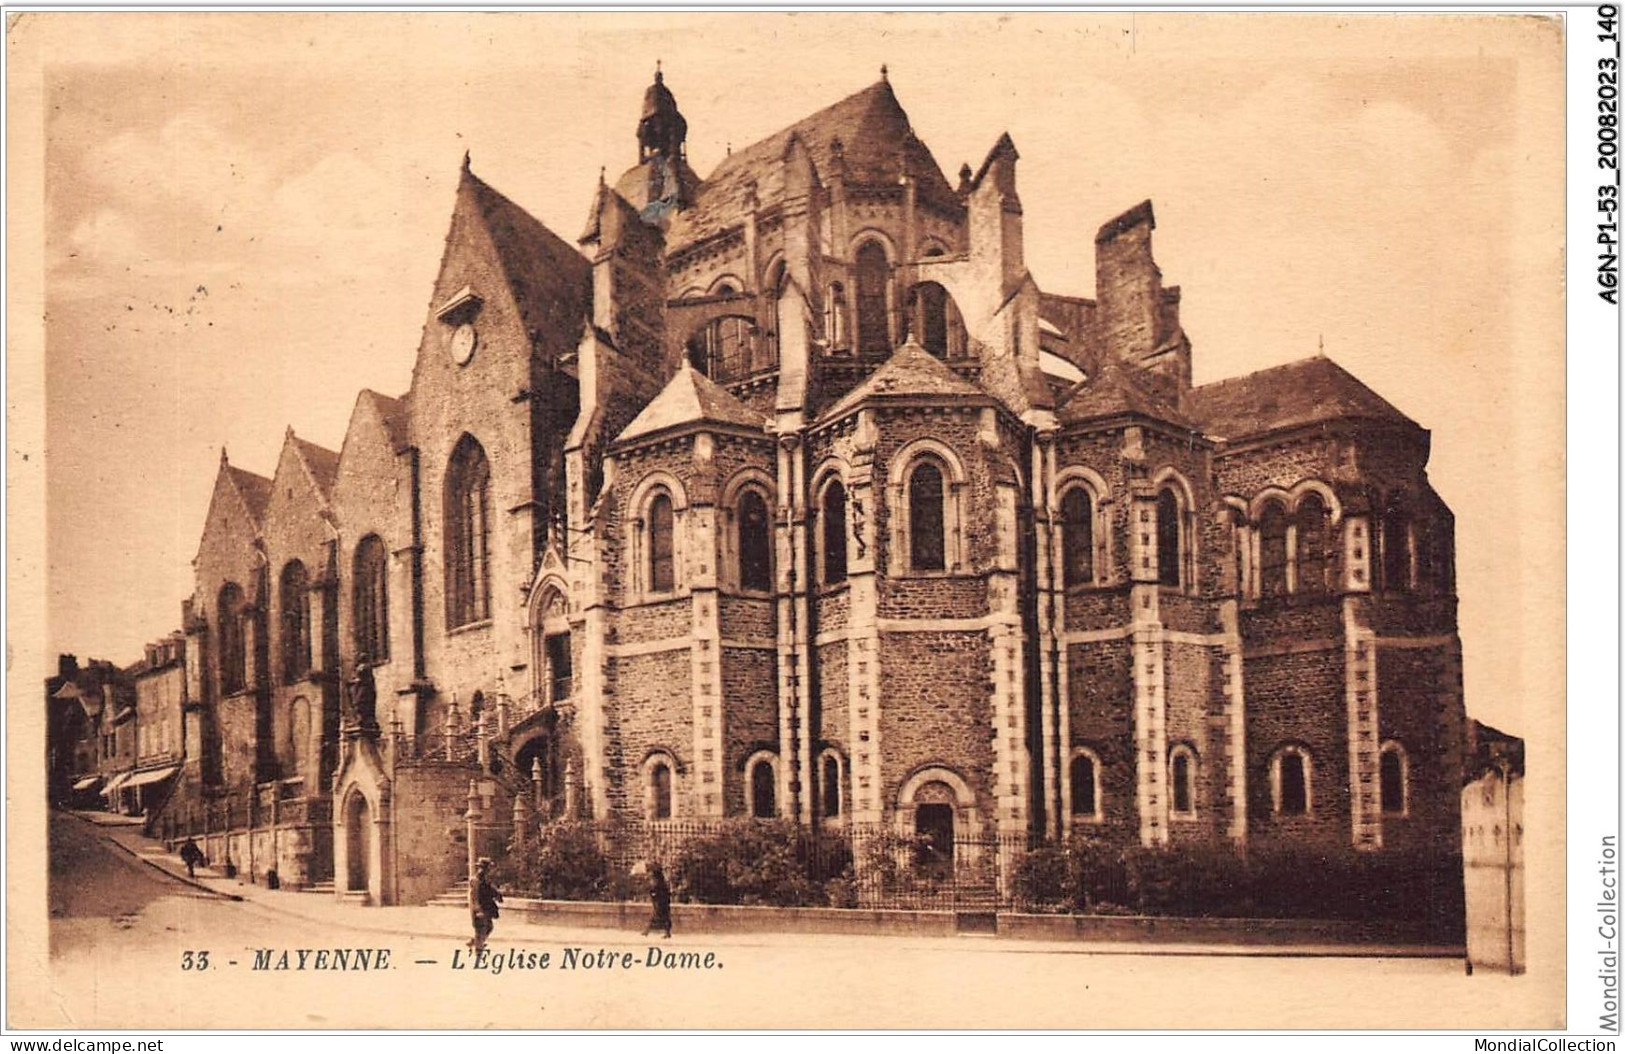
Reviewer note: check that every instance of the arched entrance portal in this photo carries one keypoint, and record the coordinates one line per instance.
(358, 843)
(934, 830)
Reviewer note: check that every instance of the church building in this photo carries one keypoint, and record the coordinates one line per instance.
(790, 492)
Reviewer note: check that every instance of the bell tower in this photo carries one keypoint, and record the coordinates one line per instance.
(661, 129)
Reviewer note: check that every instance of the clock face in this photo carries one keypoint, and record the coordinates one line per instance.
(463, 339)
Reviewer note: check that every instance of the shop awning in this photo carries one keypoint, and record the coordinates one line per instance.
(87, 783)
(141, 779)
(115, 783)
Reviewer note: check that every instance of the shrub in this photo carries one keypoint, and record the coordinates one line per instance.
(560, 861)
(759, 862)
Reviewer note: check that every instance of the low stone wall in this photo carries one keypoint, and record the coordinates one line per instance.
(1150, 929)
(726, 918)
(1112, 929)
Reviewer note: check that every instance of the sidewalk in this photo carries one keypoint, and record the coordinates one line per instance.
(452, 924)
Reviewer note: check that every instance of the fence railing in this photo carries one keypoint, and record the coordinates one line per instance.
(881, 866)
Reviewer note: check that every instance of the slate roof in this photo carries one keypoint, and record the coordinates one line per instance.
(255, 489)
(876, 139)
(322, 463)
(691, 397)
(550, 281)
(1115, 391)
(1309, 391)
(910, 372)
(395, 413)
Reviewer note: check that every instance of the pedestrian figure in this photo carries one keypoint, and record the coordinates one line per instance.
(660, 897)
(483, 898)
(191, 856)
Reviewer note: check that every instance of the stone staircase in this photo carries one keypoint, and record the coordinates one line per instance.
(325, 888)
(455, 897)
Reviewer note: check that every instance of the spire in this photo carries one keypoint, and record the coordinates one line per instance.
(466, 160)
(884, 74)
(223, 459)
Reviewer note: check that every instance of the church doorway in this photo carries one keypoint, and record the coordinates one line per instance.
(358, 842)
(934, 839)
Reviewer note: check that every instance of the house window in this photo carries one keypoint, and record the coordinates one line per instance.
(763, 803)
(660, 791)
(662, 561)
(755, 543)
(829, 784)
(1085, 785)
(229, 616)
(295, 622)
(561, 683)
(371, 601)
(874, 279)
(1182, 781)
(468, 535)
(1290, 782)
(927, 550)
(1312, 544)
(1078, 536)
(1272, 551)
(1169, 557)
(1394, 778)
(834, 532)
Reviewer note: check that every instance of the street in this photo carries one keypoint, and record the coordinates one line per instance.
(121, 931)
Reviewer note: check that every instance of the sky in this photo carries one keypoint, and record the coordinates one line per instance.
(243, 216)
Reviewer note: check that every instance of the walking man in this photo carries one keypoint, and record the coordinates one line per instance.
(660, 898)
(483, 898)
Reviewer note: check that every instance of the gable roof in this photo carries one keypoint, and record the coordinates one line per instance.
(320, 462)
(689, 398)
(1115, 391)
(910, 372)
(877, 142)
(1308, 391)
(550, 281)
(254, 489)
(393, 412)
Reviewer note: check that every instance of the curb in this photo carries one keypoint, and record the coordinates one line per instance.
(162, 870)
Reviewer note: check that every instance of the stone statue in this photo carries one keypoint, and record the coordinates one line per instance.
(364, 697)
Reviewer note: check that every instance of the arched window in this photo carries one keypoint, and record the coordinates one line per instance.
(755, 543)
(1182, 782)
(935, 321)
(229, 618)
(874, 281)
(1290, 782)
(1272, 550)
(836, 326)
(1078, 536)
(468, 535)
(927, 542)
(659, 805)
(1085, 785)
(1394, 779)
(295, 597)
(371, 601)
(834, 532)
(662, 558)
(726, 348)
(829, 784)
(1169, 556)
(763, 804)
(1312, 545)
(1396, 549)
